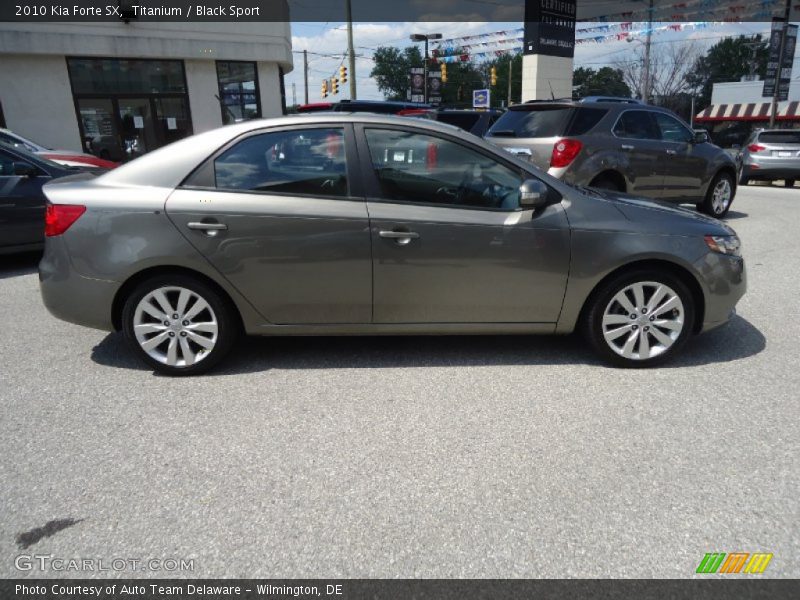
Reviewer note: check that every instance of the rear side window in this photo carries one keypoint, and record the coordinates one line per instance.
(465, 121)
(585, 119)
(779, 137)
(308, 162)
(637, 125)
(541, 122)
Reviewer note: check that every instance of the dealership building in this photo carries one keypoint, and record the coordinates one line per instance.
(124, 88)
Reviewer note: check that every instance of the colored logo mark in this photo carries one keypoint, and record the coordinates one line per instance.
(735, 562)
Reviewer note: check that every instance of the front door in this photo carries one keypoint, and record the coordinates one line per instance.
(685, 163)
(642, 153)
(450, 243)
(278, 214)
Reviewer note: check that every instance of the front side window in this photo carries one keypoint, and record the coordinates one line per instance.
(6, 164)
(672, 130)
(637, 125)
(238, 91)
(307, 162)
(419, 168)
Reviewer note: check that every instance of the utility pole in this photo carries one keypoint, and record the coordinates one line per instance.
(510, 71)
(649, 38)
(350, 52)
(774, 108)
(305, 73)
(294, 94)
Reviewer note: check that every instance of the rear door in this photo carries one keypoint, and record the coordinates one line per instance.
(21, 204)
(450, 242)
(280, 214)
(642, 153)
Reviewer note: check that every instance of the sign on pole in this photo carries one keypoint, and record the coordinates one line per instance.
(785, 76)
(435, 87)
(416, 87)
(550, 27)
(481, 98)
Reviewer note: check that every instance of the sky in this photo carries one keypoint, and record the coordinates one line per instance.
(327, 44)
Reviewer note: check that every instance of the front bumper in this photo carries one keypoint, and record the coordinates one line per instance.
(724, 281)
(70, 296)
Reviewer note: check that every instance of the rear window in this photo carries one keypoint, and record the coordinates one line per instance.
(780, 137)
(465, 121)
(541, 122)
(585, 119)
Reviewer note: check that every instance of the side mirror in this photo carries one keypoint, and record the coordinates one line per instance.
(533, 194)
(700, 137)
(25, 170)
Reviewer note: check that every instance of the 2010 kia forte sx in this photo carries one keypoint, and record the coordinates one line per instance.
(354, 224)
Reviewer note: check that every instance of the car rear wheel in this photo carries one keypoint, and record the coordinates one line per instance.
(179, 325)
(719, 196)
(640, 319)
(606, 183)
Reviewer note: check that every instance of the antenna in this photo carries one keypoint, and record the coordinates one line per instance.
(552, 95)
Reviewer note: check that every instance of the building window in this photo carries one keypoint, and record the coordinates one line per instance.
(238, 91)
(126, 76)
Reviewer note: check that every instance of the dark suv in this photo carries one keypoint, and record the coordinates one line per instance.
(622, 145)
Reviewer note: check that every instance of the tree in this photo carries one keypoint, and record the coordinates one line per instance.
(728, 60)
(391, 69)
(670, 67)
(500, 91)
(604, 82)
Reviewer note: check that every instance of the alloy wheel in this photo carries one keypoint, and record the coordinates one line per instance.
(643, 320)
(175, 326)
(721, 196)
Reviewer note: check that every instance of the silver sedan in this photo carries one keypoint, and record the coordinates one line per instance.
(357, 224)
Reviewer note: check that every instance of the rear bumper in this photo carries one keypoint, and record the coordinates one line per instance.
(770, 172)
(71, 297)
(724, 280)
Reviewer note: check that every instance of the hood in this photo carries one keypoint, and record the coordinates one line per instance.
(647, 211)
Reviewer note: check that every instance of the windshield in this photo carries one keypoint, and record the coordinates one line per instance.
(17, 141)
(780, 137)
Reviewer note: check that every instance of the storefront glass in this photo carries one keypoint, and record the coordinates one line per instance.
(238, 91)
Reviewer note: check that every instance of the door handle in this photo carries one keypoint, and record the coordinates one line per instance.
(672, 152)
(628, 147)
(402, 237)
(207, 226)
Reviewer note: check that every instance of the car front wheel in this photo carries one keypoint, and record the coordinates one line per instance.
(640, 319)
(178, 325)
(719, 196)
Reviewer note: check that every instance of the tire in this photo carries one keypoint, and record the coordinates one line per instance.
(609, 328)
(788, 183)
(742, 179)
(606, 183)
(195, 342)
(718, 206)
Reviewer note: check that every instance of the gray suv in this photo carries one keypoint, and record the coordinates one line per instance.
(621, 145)
(770, 154)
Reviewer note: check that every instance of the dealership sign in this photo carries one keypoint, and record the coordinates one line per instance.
(550, 27)
(779, 66)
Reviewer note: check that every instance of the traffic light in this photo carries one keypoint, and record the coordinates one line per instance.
(343, 74)
(335, 85)
(444, 73)
(324, 88)
(493, 75)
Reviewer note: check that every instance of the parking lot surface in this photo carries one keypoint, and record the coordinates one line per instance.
(411, 456)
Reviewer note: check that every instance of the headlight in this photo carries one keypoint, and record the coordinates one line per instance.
(724, 244)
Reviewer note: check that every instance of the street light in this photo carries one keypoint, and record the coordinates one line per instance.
(424, 37)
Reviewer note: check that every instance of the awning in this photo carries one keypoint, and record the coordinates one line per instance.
(756, 111)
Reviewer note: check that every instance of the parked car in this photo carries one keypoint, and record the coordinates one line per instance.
(388, 107)
(22, 203)
(770, 154)
(368, 224)
(477, 122)
(67, 158)
(621, 145)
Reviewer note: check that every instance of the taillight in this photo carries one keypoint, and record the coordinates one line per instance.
(756, 148)
(60, 217)
(564, 152)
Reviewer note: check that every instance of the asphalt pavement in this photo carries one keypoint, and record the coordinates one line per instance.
(409, 456)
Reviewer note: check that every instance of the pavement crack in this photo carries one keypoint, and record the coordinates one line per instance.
(29, 538)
